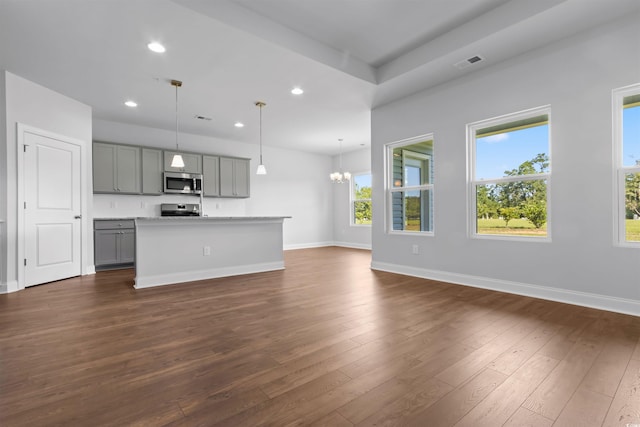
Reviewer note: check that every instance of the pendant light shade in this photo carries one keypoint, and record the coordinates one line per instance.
(262, 170)
(339, 176)
(177, 161)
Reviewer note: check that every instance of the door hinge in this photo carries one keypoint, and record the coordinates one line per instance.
(25, 205)
(25, 262)
(24, 148)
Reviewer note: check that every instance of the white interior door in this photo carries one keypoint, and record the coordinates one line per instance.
(52, 210)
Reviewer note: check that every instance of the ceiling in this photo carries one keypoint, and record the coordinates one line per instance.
(349, 56)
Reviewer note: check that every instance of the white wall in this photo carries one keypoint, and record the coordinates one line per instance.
(296, 184)
(3, 181)
(344, 233)
(581, 264)
(36, 106)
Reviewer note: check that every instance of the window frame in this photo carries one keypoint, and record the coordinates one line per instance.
(353, 200)
(472, 206)
(619, 170)
(389, 188)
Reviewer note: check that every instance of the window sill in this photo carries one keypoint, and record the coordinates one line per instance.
(546, 239)
(410, 233)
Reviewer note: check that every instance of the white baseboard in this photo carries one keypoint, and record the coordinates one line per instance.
(601, 302)
(308, 245)
(352, 245)
(327, 244)
(191, 276)
(7, 288)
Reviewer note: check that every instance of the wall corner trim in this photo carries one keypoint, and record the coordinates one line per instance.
(600, 302)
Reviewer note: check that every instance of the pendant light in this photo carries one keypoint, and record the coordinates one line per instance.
(177, 161)
(339, 177)
(261, 169)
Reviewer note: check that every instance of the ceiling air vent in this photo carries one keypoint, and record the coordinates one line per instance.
(202, 118)
(467, 62)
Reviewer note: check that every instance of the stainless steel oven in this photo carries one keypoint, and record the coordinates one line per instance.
(179, 209)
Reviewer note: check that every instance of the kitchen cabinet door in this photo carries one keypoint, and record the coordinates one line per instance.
(106, 247)
(104, 168)
(151, 171)
(192, 162)
(127, 247)
(234, 177)
(211, 176)
(128, 169)
(241, 177)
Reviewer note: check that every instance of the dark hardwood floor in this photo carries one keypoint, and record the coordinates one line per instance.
(326, 342)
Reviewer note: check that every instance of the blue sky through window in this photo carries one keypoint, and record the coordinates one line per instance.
(499, 153)
(362, 181)
(631, 136)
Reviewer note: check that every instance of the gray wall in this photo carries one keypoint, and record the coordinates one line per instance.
(581, 264)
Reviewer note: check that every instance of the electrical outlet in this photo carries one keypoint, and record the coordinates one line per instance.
(206, 251)
(415, 249)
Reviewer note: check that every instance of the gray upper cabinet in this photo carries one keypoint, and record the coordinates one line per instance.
(151, 171)
(234, 177)
(211, 176)
(116, 168)
(192, 162)
(127, 169)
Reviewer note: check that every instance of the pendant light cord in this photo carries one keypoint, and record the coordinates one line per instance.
(260, 134)
(177, 118)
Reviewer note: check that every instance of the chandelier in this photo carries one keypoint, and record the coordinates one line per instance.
(339, 176)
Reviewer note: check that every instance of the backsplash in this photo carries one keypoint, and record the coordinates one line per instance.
(125, 206)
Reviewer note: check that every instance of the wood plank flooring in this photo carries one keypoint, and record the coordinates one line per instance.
(326, 342)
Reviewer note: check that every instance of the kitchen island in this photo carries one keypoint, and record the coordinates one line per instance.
(173, 250)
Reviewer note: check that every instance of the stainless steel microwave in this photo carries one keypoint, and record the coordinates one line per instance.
(182, 183)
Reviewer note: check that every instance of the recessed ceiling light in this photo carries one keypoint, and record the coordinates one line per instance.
(131, 104)
(156, 47)
(297, 91)
(239, 125)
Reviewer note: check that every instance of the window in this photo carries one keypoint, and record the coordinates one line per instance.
(410, 185)
(627, 147)
(510, 175)
(361, 199)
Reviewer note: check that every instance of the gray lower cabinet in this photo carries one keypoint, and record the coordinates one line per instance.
(116, 168)
(152, 171)
(234, 177)
(210, 176)
(114, 243)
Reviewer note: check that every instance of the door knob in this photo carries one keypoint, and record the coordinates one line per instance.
(78, 216)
